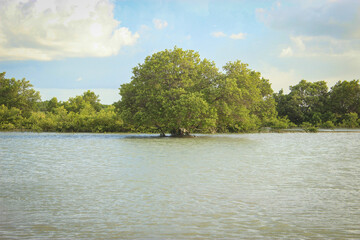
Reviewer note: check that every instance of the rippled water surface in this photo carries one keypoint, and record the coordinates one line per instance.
(99, 186)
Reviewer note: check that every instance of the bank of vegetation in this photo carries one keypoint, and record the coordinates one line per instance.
(175, 91)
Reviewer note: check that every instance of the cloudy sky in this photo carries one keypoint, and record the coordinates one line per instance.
(65, 47)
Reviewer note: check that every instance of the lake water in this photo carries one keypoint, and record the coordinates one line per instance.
(243, 186)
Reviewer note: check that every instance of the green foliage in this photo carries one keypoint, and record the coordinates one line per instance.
(87, 119)
(304, 103)
(311, 102)
(77, 103)
(328, 124)
(308, 127)
(190, 111)
(350, 120)
(10, 118)
(79, 114)
(39, 121)
(52, 104)
(243, 99)
(170, 90)
(18, 94)
(175, 89)
(48, 105)
(107, 120)
(281, 123)
(344, 98)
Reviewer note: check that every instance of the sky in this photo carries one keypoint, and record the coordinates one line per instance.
(65, 47)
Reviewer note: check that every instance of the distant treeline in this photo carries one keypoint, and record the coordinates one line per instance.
(238, 100)
(314, 104)
(22, 109)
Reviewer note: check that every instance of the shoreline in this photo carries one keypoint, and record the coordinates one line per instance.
(290, 130)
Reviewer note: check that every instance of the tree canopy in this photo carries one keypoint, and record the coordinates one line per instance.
(304, 100)
(176, 91)
(345, 97)
(313, 103)
(243, 99)
(18, 94)
(168, 92)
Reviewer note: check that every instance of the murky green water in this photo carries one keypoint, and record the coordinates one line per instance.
(250, 186)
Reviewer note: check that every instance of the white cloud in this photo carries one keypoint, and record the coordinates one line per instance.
(260, 11)
(299, 42)
(280, 79)
(286, 52)
(238, 36)
(218, 34)
(234, 36)
(144, 28)
(79, 79)
(321, 46)
(160, 24)
(283, 79)
(338, 19)
(51, 29)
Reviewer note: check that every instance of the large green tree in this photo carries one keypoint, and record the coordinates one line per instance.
(175, 91)
(10, 118)
(345, 97)
(18, 94)
(75, 104)
(243, 99)
(306, 102)
(169, 91)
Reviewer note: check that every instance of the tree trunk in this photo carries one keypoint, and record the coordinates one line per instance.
(180, 132)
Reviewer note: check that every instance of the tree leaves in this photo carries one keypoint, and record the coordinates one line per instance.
(18, 94)
(175, 89)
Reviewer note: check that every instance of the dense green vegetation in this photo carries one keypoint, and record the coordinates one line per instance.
(21, 109)
(312, 104)
(175, 91)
